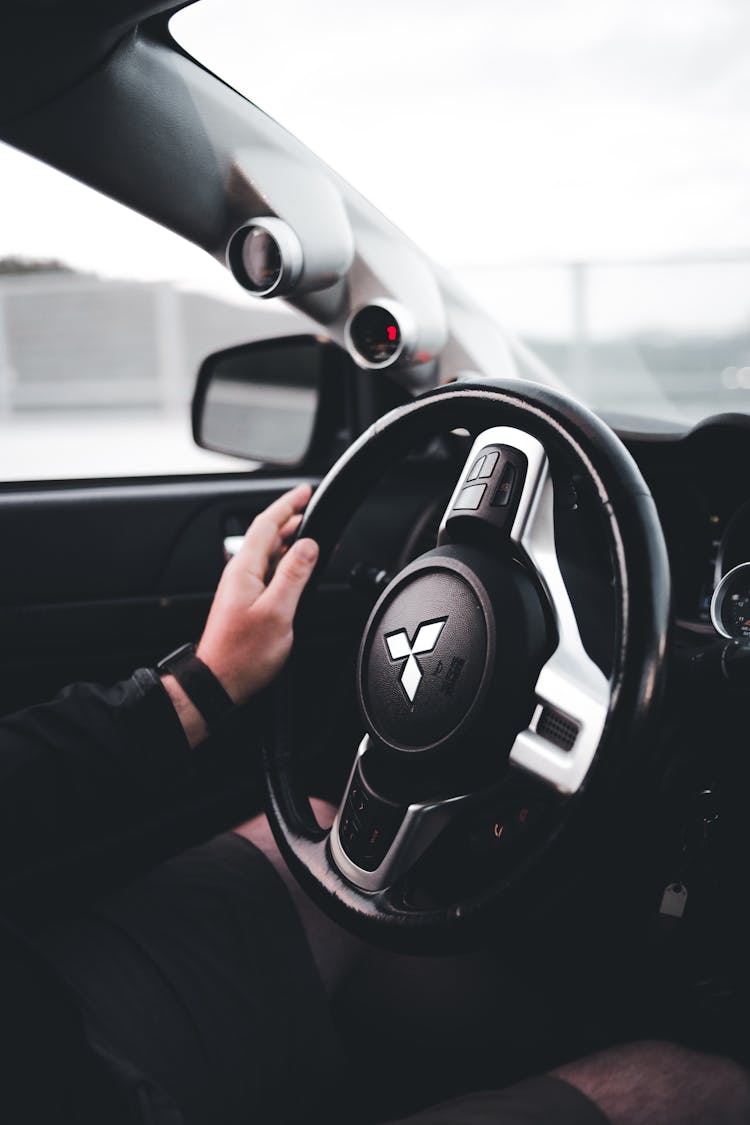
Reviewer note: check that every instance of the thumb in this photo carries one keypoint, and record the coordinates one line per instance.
(291, 577)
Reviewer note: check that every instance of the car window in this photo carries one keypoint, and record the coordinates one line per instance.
(105, 318)
(581, 165)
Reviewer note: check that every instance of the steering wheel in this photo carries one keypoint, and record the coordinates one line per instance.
(492, 738)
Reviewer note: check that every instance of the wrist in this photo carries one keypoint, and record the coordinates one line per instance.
(198, 683)
(191, 720)
(223, 673)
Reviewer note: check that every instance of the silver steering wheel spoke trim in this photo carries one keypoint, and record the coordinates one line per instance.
(571, 692)
(422, 824)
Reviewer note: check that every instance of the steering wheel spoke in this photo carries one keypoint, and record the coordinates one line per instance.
(572, 694)
(375, 842)
(472, 675)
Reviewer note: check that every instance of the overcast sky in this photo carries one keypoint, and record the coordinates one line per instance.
(491, 131)
(553, 129)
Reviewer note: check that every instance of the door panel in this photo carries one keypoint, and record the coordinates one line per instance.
(97, 580)
(94, 582)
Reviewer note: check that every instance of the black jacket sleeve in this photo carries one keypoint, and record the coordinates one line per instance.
(83, 766)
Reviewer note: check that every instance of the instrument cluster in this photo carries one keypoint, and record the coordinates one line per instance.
(730, 602)
(699, 479)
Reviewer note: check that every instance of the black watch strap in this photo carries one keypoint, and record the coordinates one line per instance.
(198, 682)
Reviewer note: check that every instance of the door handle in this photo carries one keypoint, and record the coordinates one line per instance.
(232, 544)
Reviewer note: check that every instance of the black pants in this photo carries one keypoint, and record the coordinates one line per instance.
(203, 1005)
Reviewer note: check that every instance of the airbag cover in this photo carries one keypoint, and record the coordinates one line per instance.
(427, 655)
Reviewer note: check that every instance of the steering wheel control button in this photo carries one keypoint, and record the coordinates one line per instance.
(504, 491)
(368, 824)
(490, 461)
(487, 501)
(493, 833)
(497, 829)
(484, 466)
(470, 498)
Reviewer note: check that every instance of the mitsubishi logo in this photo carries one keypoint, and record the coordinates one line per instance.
(400, 648)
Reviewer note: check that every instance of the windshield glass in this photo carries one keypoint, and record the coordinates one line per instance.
(595, 152)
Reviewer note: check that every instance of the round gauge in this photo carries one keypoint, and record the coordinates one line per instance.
(262, 259)
(377, 334)
(730, 604)
(734, 545)
(265, 256)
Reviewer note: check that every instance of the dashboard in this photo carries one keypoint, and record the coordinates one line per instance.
(700, 481)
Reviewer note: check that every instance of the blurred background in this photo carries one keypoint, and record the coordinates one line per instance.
(582, 167)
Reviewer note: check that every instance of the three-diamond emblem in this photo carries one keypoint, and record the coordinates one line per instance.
(401, 648)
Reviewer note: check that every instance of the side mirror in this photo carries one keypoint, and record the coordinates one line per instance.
(278, 401)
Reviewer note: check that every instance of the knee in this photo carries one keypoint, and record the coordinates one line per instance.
(258, 830)
(663, 1084)
(730, 1083)
(717, 1087)
(661, 1058)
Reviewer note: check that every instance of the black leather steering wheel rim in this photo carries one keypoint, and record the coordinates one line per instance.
(642, 592)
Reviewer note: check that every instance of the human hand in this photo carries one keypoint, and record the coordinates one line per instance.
(248, 634)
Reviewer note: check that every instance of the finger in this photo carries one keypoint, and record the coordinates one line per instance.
(291, 577)
(286, 506)
(263, 537)
(290, 528)
(276, 557)
(285, 537)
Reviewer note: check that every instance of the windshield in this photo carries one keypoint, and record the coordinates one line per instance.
(595, 152)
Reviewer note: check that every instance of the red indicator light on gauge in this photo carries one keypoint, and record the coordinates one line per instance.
(376, 335)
